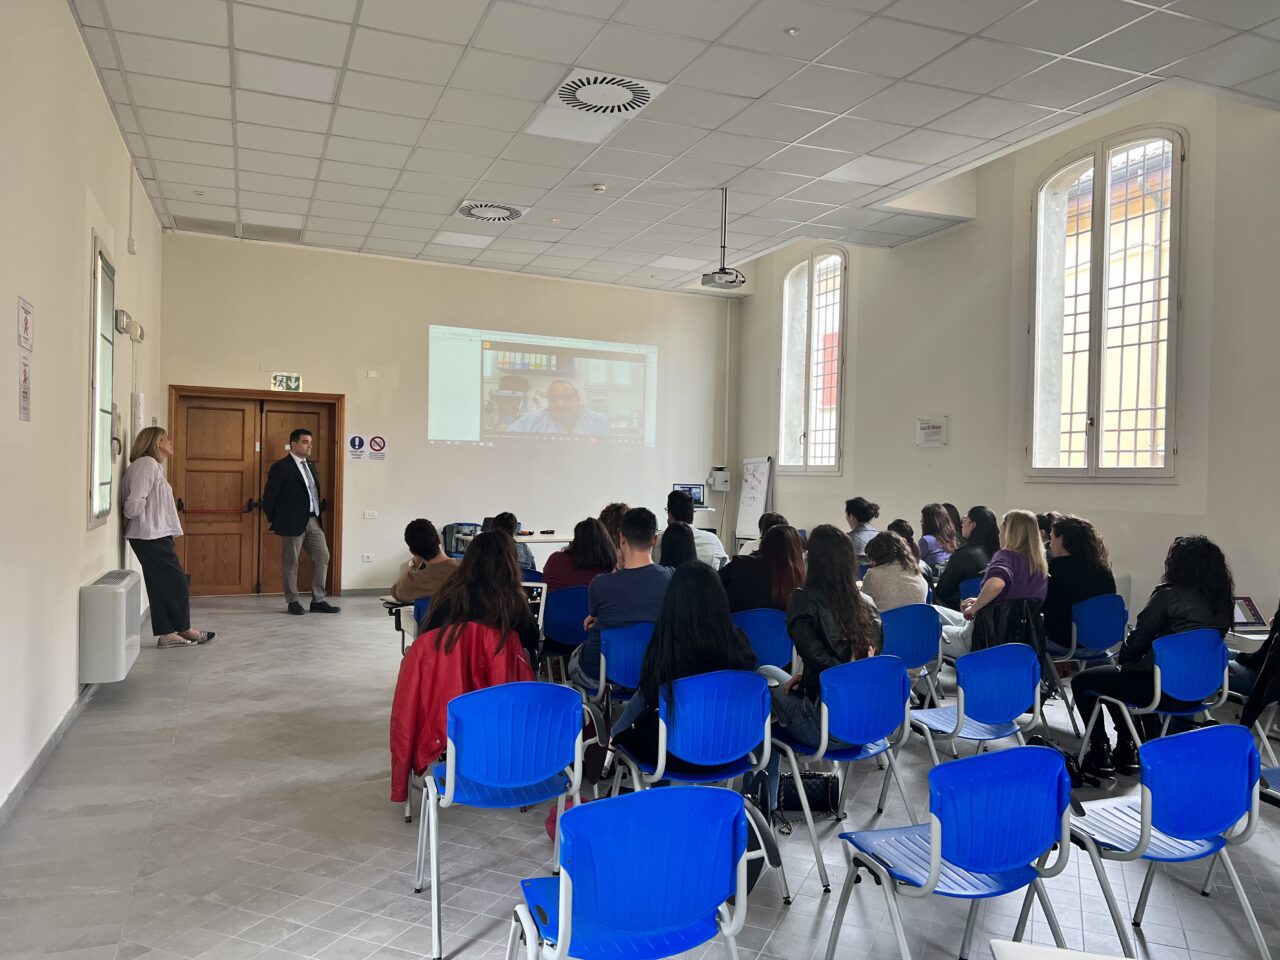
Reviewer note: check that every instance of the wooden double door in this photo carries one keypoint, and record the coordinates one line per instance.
(224, 444)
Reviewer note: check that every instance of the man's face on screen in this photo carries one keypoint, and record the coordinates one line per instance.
(562, 404)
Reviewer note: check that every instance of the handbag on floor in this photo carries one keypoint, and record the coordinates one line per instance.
(822, 790)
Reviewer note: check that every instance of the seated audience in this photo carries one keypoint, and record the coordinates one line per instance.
(830, 622)
(1078, 569)
(1018, 571)
(478, 633)
(677, 546)
(611, 517)
(858, 514)
(1045, 522)
(766, 521)
(429, 566)
(908, 533)
(954, 514)
(894, 579)
(509, 523)
(767, 578)
(631, 594)
(710, 549)
(1196, 592)
(589, 554)
(695, 608)
(982, 540)
(937, 536)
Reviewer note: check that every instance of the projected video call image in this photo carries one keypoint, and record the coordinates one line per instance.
(488, 387)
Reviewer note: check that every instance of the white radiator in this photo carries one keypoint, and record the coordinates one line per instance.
(110, 626)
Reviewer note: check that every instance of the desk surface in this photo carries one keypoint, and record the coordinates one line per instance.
(1008, 950)
(466, 538)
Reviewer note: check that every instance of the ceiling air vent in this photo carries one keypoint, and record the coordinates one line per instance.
(588, 106)
(200, 225)
(601, 93)
(489, 212)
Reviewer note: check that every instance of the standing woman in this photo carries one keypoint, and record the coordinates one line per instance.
(937, 535)
(151, 523)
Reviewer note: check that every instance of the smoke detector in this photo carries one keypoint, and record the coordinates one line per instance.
(588, 105)
(489, 212)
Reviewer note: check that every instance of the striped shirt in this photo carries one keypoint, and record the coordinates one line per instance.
(149, 510)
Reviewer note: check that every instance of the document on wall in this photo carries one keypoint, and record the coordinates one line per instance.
(24, 385)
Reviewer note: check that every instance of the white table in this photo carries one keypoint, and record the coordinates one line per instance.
(1246, 642)
(463, 540)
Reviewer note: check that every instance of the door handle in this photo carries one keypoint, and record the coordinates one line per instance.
(181, 506)
(249, 505)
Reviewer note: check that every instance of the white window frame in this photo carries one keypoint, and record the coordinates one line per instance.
(96, 517)
(806, 468)
(1099, 267)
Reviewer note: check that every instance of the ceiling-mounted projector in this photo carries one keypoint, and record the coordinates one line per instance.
(725, 278)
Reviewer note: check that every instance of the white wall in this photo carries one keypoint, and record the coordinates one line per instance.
(64, 173)
(235, 311)
(939, 327)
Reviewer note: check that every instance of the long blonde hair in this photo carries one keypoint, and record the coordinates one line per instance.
(1019, 531)
(146, 442)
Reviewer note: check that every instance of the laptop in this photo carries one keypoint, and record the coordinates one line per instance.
(1247, 618)
(696, 490)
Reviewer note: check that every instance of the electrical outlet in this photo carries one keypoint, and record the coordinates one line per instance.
(371, 514)
(366, 558)
(372, 374)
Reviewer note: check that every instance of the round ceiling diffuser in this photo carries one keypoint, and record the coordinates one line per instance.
(604, 94)
(490, 212)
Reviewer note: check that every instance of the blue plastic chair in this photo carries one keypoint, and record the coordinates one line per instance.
(621, 654)
(683, 854)
(994, 687)
(1098, 627)
(864, 703)
(720, 721)
(862, 570)
(993, 823)
(913, 634)
(420, 608)
(530, 575)
(1196, 788)
(563, 612)
(1191, 667)
(970, 588)
(513, 745)
(766, 628)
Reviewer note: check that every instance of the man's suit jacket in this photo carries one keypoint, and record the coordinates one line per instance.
(285, 501)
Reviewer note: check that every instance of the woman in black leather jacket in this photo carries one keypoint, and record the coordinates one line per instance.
(1195, 592)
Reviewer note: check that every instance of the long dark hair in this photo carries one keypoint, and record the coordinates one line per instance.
(693, 629)
(833, 571)
(783, 556)
(986, 529)
(591, 548)
(884, 548)
(954, 514)
(908, 533)
(611, 517)
(1200, 563)
(1080, 539)
(677, 545)
(484, 589)
(936, 522)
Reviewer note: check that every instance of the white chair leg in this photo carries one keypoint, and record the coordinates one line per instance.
(1064, 690)
(1207, 889)
(808, 818)
(1047, 907)
(408, 806)
(555, 847)
(969, 923)
(1164, 727)
(841, 907)
(884, 787)
(532, 944)
(1141, 908)
(513, 939)
(891, 896)
(1109, 896)
(933, 749)
(433, 832)
(419, 876)
(1230, 868)
(786, 890)
(1024, 914)
(1094, 716)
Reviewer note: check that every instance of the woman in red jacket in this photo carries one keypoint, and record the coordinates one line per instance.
(478, 632)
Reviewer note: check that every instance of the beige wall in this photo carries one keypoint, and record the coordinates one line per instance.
(64, 173)
(939, 327)
(235, 311)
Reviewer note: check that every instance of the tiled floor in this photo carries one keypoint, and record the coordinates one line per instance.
(230, 802)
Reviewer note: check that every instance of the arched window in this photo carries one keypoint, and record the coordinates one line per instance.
(812, 364)
(1106, 310)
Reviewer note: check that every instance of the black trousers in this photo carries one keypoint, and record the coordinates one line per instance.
(1134, 685)
(166, 585)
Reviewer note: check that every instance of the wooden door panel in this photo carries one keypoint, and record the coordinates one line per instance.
(279, 419)
(215, 468)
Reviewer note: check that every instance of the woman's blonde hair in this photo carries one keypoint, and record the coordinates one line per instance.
(1019, 531)
(146, 442)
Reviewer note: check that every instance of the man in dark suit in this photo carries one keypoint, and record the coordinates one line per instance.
(291, 502)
